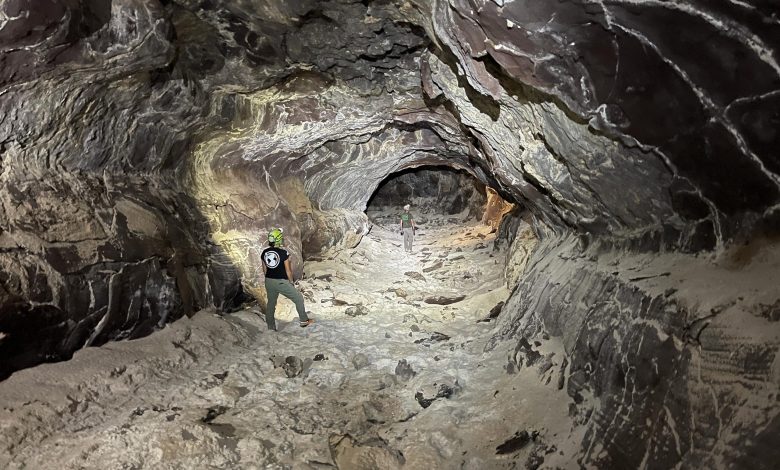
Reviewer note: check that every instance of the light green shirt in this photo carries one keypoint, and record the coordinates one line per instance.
(406, 220)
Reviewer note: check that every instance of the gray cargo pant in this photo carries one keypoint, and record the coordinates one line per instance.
(408, 238)
(273, 288)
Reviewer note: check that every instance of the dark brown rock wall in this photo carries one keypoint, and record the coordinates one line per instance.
(563, 99)
(86, 260)
(663, 370)
(98, 240)
(664, 76)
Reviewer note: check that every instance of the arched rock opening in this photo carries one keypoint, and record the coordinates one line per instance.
(439, 190)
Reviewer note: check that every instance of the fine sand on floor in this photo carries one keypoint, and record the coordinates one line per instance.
(393, 374)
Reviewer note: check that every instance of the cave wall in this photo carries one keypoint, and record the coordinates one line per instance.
(564, 99)
(663, 83)
(186, 119)
(672, 359)
(97, 244)
(86, 260)
(146, 147)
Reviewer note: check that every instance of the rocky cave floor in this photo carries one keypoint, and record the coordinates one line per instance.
(393, 374)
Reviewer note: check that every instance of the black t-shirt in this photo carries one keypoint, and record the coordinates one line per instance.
(273, 259)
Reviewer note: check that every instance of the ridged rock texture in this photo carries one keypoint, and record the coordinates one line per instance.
(147, 146)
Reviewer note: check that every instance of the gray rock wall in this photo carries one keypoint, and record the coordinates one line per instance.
(683, 373)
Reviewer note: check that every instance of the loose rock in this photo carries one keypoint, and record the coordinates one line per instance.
(356, 311)
(494, 313)
(213, 412)
(434, 338)
(442, 300)
(360, 361)
(514, 443)
(293, 366)
(433, 267)
(445, 391)
(404, 370)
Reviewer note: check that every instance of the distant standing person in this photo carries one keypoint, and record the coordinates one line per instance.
(279, 279)
(407, 228)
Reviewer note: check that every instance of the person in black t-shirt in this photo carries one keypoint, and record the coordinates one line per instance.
(279, 279)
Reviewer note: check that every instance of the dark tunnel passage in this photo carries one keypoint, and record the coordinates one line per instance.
(441, 196)
(439, 189)
(593, 283)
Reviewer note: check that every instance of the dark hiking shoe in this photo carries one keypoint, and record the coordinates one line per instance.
(306, 323)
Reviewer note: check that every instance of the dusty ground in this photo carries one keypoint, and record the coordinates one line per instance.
(388, 377)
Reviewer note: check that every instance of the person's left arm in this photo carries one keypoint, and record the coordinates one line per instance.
(288, 269)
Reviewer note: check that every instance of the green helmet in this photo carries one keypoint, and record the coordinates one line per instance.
(275, 236)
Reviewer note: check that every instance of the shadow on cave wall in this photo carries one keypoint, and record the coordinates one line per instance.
(120, 263)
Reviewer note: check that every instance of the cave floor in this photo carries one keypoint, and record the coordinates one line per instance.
(222, 392)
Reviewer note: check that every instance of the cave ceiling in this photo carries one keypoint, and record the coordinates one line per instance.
(548, 102)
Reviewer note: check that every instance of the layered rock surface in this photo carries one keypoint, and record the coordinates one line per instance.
(678, 352)
(147, 146)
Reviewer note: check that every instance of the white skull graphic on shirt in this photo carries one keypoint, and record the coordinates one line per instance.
(271, 259)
